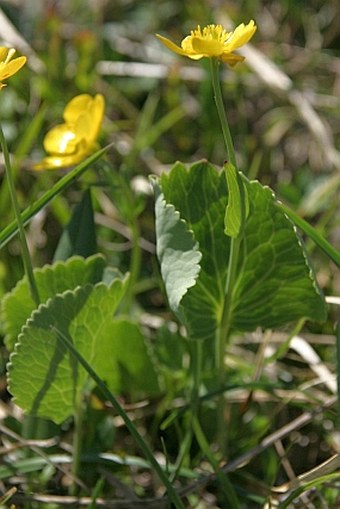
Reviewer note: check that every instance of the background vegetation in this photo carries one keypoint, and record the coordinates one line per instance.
(284, 112)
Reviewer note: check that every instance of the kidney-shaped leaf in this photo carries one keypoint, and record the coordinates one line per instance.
(44, 378)
(274, 283)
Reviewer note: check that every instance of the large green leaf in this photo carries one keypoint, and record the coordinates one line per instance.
(274, 283)
(18, 305)
(44, 377)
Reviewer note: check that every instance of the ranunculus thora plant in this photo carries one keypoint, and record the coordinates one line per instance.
(213, 41)
(247, 250)
(8, 64)
(70, 143)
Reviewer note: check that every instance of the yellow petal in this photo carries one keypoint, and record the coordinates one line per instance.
(10, 68)
(240, 36)
(96, 111)
(77, 105)
(71, 142)
(85, 114)
(172, 46)
(84, 126)
(61, 140)
(88, 123)
(207, 47)
(57, 162)
(188, 49)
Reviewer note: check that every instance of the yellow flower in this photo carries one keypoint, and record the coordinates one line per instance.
(213, 42)
(8, 67)
(70, 143)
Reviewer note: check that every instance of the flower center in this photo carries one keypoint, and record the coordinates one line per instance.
(211, 32)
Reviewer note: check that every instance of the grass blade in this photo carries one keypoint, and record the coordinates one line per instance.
(11, 230)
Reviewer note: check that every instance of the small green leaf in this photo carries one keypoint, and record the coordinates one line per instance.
(43, 376)
(79, 236)
(238, 203)
(18, 305)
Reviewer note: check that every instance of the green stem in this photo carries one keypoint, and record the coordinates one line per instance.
(26, 258)
(222, 337)
(185, 444)
(214, 68)
(224, 328)
(227, 308)
(172, 494)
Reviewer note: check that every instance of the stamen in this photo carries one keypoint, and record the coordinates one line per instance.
(9, 55)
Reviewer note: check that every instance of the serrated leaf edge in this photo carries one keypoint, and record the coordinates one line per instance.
(308, 264)
(50, 267)
(159, 195)
(45, 305)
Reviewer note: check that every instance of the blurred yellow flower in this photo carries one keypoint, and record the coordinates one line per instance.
(8, 67)
(70, 143)
(213, 42)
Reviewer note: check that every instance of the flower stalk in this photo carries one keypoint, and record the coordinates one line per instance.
(215, 78)
(225, 323)
(215, 43)
(26, 257)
